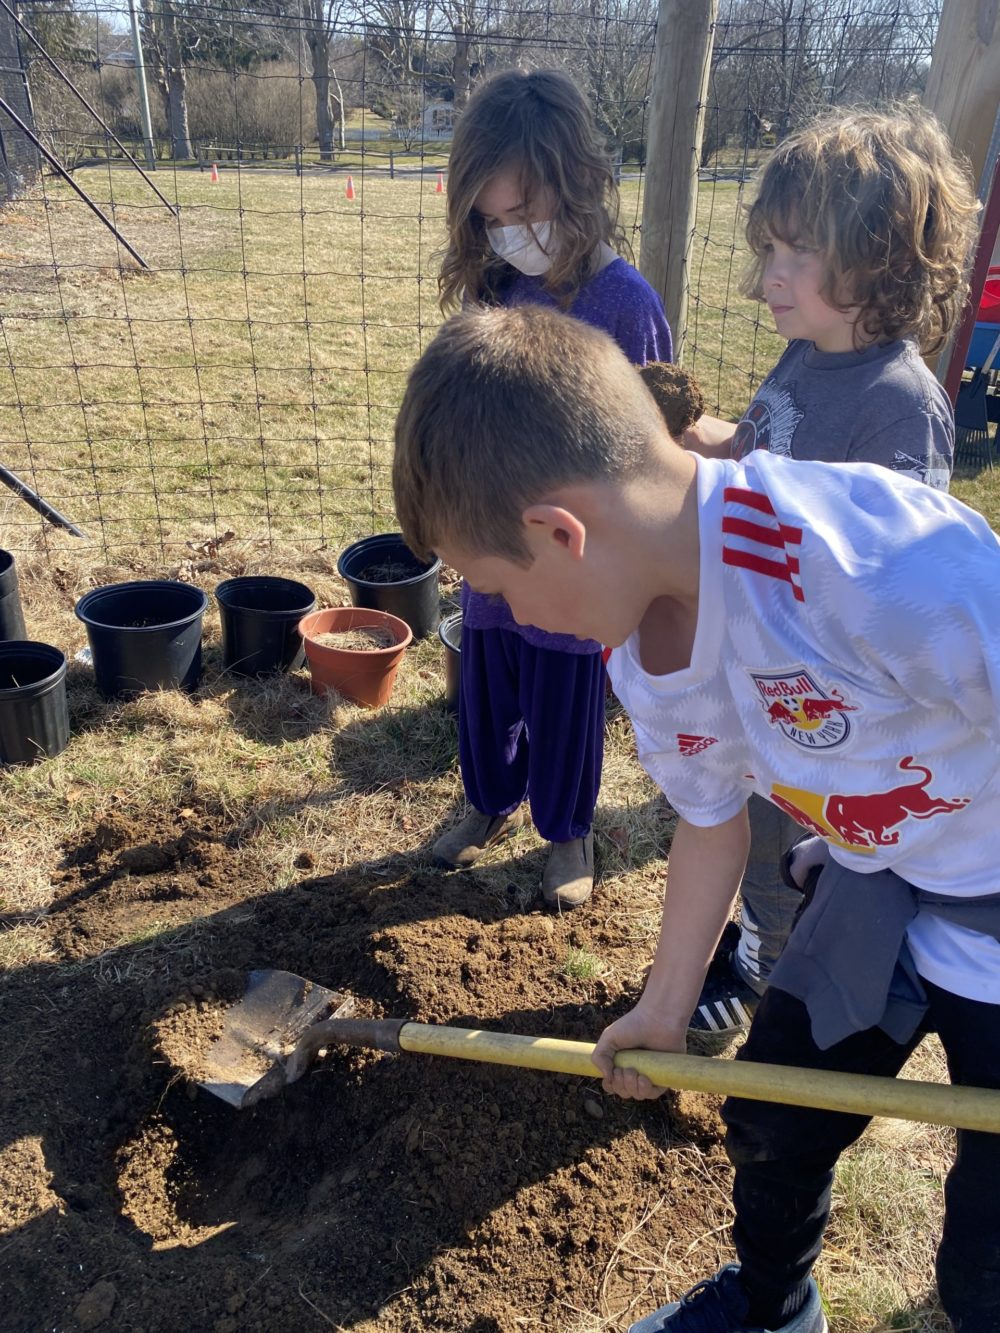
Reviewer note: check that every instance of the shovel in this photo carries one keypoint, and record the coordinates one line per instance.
(271, 1036)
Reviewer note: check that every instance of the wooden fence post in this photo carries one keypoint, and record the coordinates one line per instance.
(682, 62)
(963, 91)
(963, 86)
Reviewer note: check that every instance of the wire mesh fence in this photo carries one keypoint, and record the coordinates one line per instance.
(246, 380)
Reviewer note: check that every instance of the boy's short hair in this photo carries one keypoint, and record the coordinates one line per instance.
(503, 408)
(677, 394)
(890, 206)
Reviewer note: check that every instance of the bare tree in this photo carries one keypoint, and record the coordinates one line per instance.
(395, 30)
(775, 62)
(321, 19)
(408, 113)
(618, 37)
(875, 51)
(169, 39)
(464, 24)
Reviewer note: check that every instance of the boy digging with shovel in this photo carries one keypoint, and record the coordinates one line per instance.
(736, 594)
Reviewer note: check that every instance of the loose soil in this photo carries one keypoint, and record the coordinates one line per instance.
(182, 841)
(363, 640)
(380, 1192)
(392, 571)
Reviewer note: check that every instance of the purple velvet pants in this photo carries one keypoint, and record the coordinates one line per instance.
(531, 723)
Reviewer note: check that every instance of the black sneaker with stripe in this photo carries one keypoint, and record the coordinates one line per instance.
(726, 1003)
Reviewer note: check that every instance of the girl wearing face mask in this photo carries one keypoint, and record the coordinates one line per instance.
(533, 218)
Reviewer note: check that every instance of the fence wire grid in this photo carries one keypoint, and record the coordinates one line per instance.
(246, 380)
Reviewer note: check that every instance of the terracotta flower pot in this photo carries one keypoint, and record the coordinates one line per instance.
(364, 675)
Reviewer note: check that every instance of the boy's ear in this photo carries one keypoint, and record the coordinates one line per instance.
(547, 522)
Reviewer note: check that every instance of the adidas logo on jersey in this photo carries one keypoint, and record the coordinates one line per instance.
(689, 745)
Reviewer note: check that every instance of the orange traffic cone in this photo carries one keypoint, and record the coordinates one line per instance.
(214, 177)
(439, 188)
(350, 188)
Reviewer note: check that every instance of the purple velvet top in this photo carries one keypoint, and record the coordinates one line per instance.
(620, 301)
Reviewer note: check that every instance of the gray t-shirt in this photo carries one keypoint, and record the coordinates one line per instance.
(880, 405)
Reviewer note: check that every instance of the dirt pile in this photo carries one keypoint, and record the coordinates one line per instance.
(379, 1192)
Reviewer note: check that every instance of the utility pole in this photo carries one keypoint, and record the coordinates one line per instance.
(140, 70)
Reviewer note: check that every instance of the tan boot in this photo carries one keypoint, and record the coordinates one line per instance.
(568, 880)
(464, 844)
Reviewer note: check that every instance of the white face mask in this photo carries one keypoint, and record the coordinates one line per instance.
(524, 247)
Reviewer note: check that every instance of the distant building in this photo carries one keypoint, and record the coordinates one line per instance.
(123, 57)
(439, 120)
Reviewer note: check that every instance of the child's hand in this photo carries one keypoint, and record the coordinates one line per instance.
(637, 1030)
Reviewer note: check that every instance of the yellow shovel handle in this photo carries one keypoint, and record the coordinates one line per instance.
(858, 1094)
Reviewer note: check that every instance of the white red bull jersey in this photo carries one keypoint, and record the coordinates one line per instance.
(846, 666)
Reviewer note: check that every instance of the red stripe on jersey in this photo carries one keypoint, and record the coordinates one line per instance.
(782, 535)
(747, 560)
(775, 534)
(752, 499)
(691, 745)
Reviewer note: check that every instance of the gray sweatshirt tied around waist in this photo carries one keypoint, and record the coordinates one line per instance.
(847, 959)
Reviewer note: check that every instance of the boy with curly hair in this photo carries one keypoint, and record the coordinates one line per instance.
(859, 235)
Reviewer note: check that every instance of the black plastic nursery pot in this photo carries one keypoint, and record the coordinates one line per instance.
(144, 635)
(450, 634)
(34, 716)
(11, 615)
(383, 574)
(260, 617)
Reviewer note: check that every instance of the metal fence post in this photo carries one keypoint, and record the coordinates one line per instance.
(140, 72)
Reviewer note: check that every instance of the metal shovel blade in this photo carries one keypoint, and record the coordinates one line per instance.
(246, 1062)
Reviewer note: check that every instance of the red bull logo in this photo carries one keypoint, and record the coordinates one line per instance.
(803, 709)
(864, 822)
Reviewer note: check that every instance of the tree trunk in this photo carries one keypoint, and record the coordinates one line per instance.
(177, 115)
(324, 117)
(461, 67)
(175, 88)
(319, 49)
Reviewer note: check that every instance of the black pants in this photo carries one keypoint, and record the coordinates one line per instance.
(784, 1155)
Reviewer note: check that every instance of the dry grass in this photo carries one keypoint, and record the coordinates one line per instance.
(198, 391)
(888, 1200)
(162, 410)
(249, 380)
